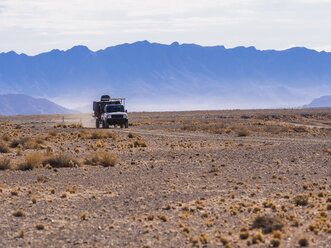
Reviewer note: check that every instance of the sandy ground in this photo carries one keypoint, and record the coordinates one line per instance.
(258, 178)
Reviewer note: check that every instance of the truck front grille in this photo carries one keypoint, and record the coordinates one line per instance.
(117, 116)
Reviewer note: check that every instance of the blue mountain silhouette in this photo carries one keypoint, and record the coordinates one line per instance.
(151, 70)
(321, 102)
(19, 104)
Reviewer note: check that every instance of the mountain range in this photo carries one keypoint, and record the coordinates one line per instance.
(19, 104)
(321, 102)
(155, 76)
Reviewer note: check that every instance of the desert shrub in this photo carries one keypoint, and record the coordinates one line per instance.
(21, 234)
(42, 179)
(300, 129)
(20, 141)
(217, 128)
(97, 135)
(40, 226)
(140, 143)
(275, 129)
(267, 223)
(76, 125)
(18, 126)
(72, 189)
(191, 127)
(303, 241)
(5, 137)
(257, 238)
(19, 213)
(5, 163)
(52, 133)
(101, 134)
(242, 132)
(34, 143)
(61, 160)
(244, 234)
(275, 243)
(28, 142)
(84, 216)
(131, 135)
(31, 161)
(103, 158)
(301, 200)
(4, 147)
(277, 234)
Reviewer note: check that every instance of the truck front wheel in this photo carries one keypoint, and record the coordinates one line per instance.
(105, 124)
(126, 124)
(97, 123)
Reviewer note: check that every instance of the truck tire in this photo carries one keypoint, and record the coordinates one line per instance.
(106, 124)
(97, 123)
(126, 124)
(122, 125)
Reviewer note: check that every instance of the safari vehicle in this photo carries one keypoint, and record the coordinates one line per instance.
(110, 112)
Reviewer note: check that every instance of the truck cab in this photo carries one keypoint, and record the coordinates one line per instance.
(110, 111)
(115, 114)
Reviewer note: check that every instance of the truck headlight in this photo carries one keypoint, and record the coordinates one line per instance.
(109, 116)
(125, 116)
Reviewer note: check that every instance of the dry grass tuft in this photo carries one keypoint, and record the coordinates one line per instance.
(5, 137)
(53, 133)
(28, 142)
(31, 161)
(34, 160)
(140, 143)
(84, 216)
(257, 238)
(34, 199)
(242, 132)
(14, 192)
(21, 141)
(103, 158)
(19, 213)
(62, 160)
(21, 234)
(40, 226)
(102, 134)
(131, 135)
(4, 147)
(5, 163)
(42, 179)
(244, 234)
(72, 189)
(277, 234)
(163, 217)
(275, 243)
(303, 242)
(75, 125)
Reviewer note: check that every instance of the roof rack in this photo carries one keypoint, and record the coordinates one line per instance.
(113, 101)
(121, 100)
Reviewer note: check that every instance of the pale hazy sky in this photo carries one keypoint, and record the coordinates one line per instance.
(34, 26)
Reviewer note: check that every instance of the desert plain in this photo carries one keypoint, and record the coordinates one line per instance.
(239, 178)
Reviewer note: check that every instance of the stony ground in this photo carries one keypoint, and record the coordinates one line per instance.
(178, 179)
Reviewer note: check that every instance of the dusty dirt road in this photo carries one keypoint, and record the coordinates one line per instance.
(177, 179)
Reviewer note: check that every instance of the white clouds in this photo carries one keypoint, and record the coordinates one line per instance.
(38, 25)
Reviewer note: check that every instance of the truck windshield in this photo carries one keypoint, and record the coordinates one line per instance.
(114, 108)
